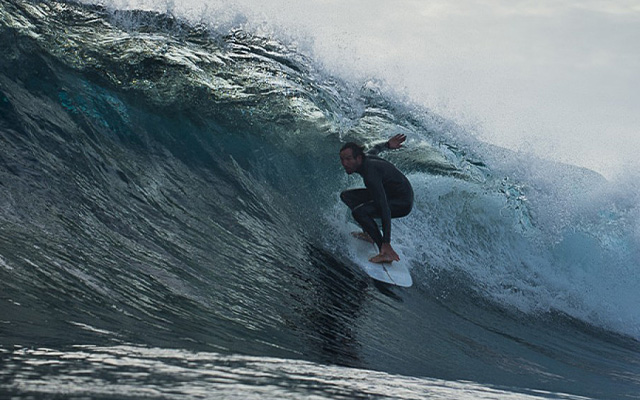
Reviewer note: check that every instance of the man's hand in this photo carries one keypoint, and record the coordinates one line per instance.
(396, 141)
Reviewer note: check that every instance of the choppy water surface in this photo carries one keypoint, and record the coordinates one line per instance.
(137, 372)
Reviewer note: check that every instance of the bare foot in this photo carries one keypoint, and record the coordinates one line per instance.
(362, 236)
(381, 259)
(387, 255)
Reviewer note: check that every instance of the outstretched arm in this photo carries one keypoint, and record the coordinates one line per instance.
(394, 143)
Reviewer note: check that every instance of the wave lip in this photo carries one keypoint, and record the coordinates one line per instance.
(166, 184)
(240, 83)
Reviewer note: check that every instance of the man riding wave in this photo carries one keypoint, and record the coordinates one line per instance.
(387, 194)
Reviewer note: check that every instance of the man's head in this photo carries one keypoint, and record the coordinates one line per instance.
(351, 156)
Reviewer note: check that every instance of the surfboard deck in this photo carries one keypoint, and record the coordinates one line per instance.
(395, 273)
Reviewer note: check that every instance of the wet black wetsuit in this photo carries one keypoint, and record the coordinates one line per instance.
(387, 194)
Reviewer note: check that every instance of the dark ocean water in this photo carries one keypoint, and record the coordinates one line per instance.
(170, 228)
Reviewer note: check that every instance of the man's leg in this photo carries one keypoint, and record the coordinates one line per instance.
(354, 197)
(365, 213)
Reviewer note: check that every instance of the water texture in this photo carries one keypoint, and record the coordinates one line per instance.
(170, 227)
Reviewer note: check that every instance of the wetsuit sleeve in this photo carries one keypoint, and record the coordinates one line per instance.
(377, 149)
(373, 182)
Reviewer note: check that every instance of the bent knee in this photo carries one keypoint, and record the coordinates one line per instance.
(360, 212)
(344, 196)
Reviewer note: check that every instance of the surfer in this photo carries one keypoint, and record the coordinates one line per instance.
(387, 194)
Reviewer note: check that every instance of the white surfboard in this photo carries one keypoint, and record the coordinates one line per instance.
(395, 273)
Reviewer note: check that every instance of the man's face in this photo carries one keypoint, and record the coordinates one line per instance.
(350, 163)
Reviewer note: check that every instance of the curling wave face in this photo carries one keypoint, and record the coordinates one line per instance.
(168, 184)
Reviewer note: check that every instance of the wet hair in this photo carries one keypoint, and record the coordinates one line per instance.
(356, 149)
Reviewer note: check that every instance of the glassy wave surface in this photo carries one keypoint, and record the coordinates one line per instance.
(170, 226)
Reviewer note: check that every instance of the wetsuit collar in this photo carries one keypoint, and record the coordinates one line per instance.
(362, 166)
